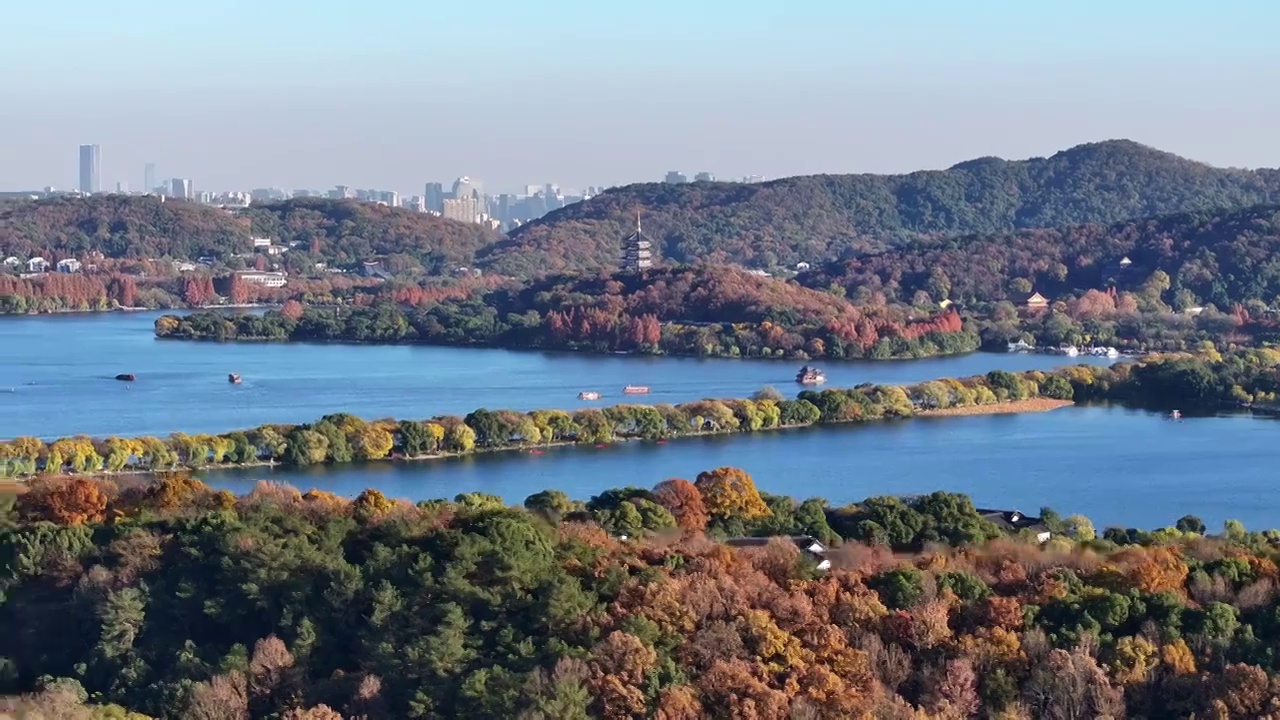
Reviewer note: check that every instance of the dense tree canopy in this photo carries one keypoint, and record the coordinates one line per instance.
(705, 310)
(823, 217)
(185, 602)
(1217, 256)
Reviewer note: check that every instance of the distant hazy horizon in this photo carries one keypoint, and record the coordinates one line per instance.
(241, 94)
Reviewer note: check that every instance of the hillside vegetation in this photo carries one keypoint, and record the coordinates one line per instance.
(823, 217)
(1219, 257)
(340, 232)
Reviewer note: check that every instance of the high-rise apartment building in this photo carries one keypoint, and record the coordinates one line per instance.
(181, 188)
(704, 177)
(675, 177)
(463, 209)
(149, 178)
(90, 169)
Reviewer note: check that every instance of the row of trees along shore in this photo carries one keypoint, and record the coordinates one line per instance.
(1206, 380)
(174, 600)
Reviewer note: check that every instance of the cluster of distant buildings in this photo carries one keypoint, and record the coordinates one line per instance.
(465, 201)
(39, 266)
(675, 177)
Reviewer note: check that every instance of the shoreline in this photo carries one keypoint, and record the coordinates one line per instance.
(139, 309)
(1030, 405)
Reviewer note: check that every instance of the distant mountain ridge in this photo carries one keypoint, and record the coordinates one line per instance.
(823, 217)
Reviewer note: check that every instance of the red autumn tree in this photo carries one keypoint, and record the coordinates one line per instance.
(684, 501)
(292, 310)
(124, 291)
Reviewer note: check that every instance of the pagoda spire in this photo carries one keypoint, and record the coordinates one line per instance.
(637, 252)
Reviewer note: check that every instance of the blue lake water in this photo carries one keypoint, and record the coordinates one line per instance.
(61, 371)
(1120, 467)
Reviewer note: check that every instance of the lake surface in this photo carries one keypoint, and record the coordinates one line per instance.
(1117, 466)
(61, 371)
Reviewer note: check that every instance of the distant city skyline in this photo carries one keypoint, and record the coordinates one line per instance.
(89, 182)
(465, 201)
(586, 94)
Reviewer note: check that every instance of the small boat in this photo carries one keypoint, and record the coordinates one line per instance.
(233, 378)
(635, 389)
(126, 377)
(1175, 415)
(588, 395)
(810, 376)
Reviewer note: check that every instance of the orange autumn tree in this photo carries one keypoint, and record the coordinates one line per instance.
(66, 501)
(729, 493)
(684, 501)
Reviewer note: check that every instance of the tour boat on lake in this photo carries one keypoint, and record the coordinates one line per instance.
(588, 395)
(810, 376)
(234, 378)
(126, 377)
(635, 389)
(1175, 415)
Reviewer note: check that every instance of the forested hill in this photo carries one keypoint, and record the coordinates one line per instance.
(1219, 257)
(340, 231)
(821, 217)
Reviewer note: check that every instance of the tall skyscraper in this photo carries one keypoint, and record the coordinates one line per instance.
(433, 194)
(149, 178)
(466, 188)
(90, 167)
(181, 188)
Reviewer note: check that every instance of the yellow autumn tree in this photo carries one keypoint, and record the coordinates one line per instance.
(23, 453)
(371, 504)
(1178, 658)
(372, 442)
(1134, 659)
(730, 493)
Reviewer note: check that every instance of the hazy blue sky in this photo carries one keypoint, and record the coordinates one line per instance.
(390, 94)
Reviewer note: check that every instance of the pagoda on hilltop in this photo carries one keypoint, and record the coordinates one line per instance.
(637, 252)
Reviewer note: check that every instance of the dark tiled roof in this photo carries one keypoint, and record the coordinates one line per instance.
(804, 542)
(1012, 519)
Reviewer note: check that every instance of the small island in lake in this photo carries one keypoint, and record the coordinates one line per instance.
(695, 311)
